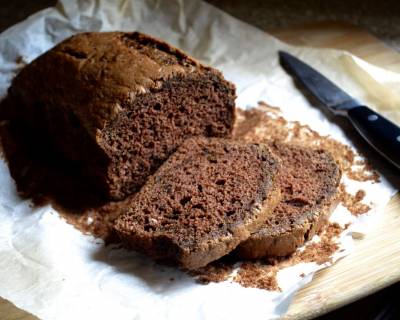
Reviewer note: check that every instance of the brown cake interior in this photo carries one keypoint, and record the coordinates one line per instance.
(203, 195)
(117, 105)
(148, 131)
(309, 183)
(308, 180)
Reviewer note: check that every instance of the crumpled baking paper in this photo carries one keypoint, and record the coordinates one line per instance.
(53, 271)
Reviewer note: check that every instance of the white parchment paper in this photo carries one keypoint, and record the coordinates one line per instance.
(53, 271)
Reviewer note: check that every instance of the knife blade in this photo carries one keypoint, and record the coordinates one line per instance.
(382, 134)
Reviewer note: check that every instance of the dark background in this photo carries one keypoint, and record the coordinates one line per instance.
(382, 18)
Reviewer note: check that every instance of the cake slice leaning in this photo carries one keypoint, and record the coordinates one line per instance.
(309, 182)
(208, 197)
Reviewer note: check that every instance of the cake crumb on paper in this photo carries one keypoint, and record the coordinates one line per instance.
(260, 124)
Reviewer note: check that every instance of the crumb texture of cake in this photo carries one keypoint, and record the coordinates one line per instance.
(209, 196)
(309, 182)
(119, 104)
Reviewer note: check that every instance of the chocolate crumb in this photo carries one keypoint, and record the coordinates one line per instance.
(259, 124)
(270, 108)
(98, 222)
(216, 271)
(353, 202)
(320, 252)
(262, 274)
(360, 195)
(258, 275)
(266, 123)
(316, 252)
(20, 60)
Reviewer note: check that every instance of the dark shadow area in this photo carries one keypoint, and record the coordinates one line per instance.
(161, 277)
(43, 175)
(378, 17)
(382, 305)
(14, 11)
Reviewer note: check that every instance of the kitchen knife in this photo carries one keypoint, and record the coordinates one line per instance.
(380, 132)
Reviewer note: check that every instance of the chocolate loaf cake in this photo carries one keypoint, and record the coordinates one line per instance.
(119, 104)
(202, 202)
(309, 182)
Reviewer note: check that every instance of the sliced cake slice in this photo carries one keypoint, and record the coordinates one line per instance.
(209, 196)
(309, 182)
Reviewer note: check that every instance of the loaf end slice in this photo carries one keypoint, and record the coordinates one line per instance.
(118, 105)
(209, 196)
(309, 182)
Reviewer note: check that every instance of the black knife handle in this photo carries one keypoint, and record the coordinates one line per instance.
(381, 133)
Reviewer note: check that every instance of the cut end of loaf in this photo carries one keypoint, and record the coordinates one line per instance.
(150, 129)
(119, 104)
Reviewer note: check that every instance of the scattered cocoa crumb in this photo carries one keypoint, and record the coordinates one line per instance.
(97, 222)
(267, 106)
(20, 60)
(45, 177)
(265, 123)
(316, 252)
(216, 271)
(261, 274)
(353, 202)
(365, 173)
(332, 231)
(258, 275)
(360, 194)
(302, 275)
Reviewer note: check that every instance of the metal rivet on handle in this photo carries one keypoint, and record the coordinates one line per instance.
(372, 117)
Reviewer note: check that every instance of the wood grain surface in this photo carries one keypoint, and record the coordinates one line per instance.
(342, 36)
(376, 262)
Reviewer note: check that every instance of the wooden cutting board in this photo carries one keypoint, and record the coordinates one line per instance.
(376, 262)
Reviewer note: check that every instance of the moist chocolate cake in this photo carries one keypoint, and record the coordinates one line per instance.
(309, 182)
(202, 202)
(119, 104)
